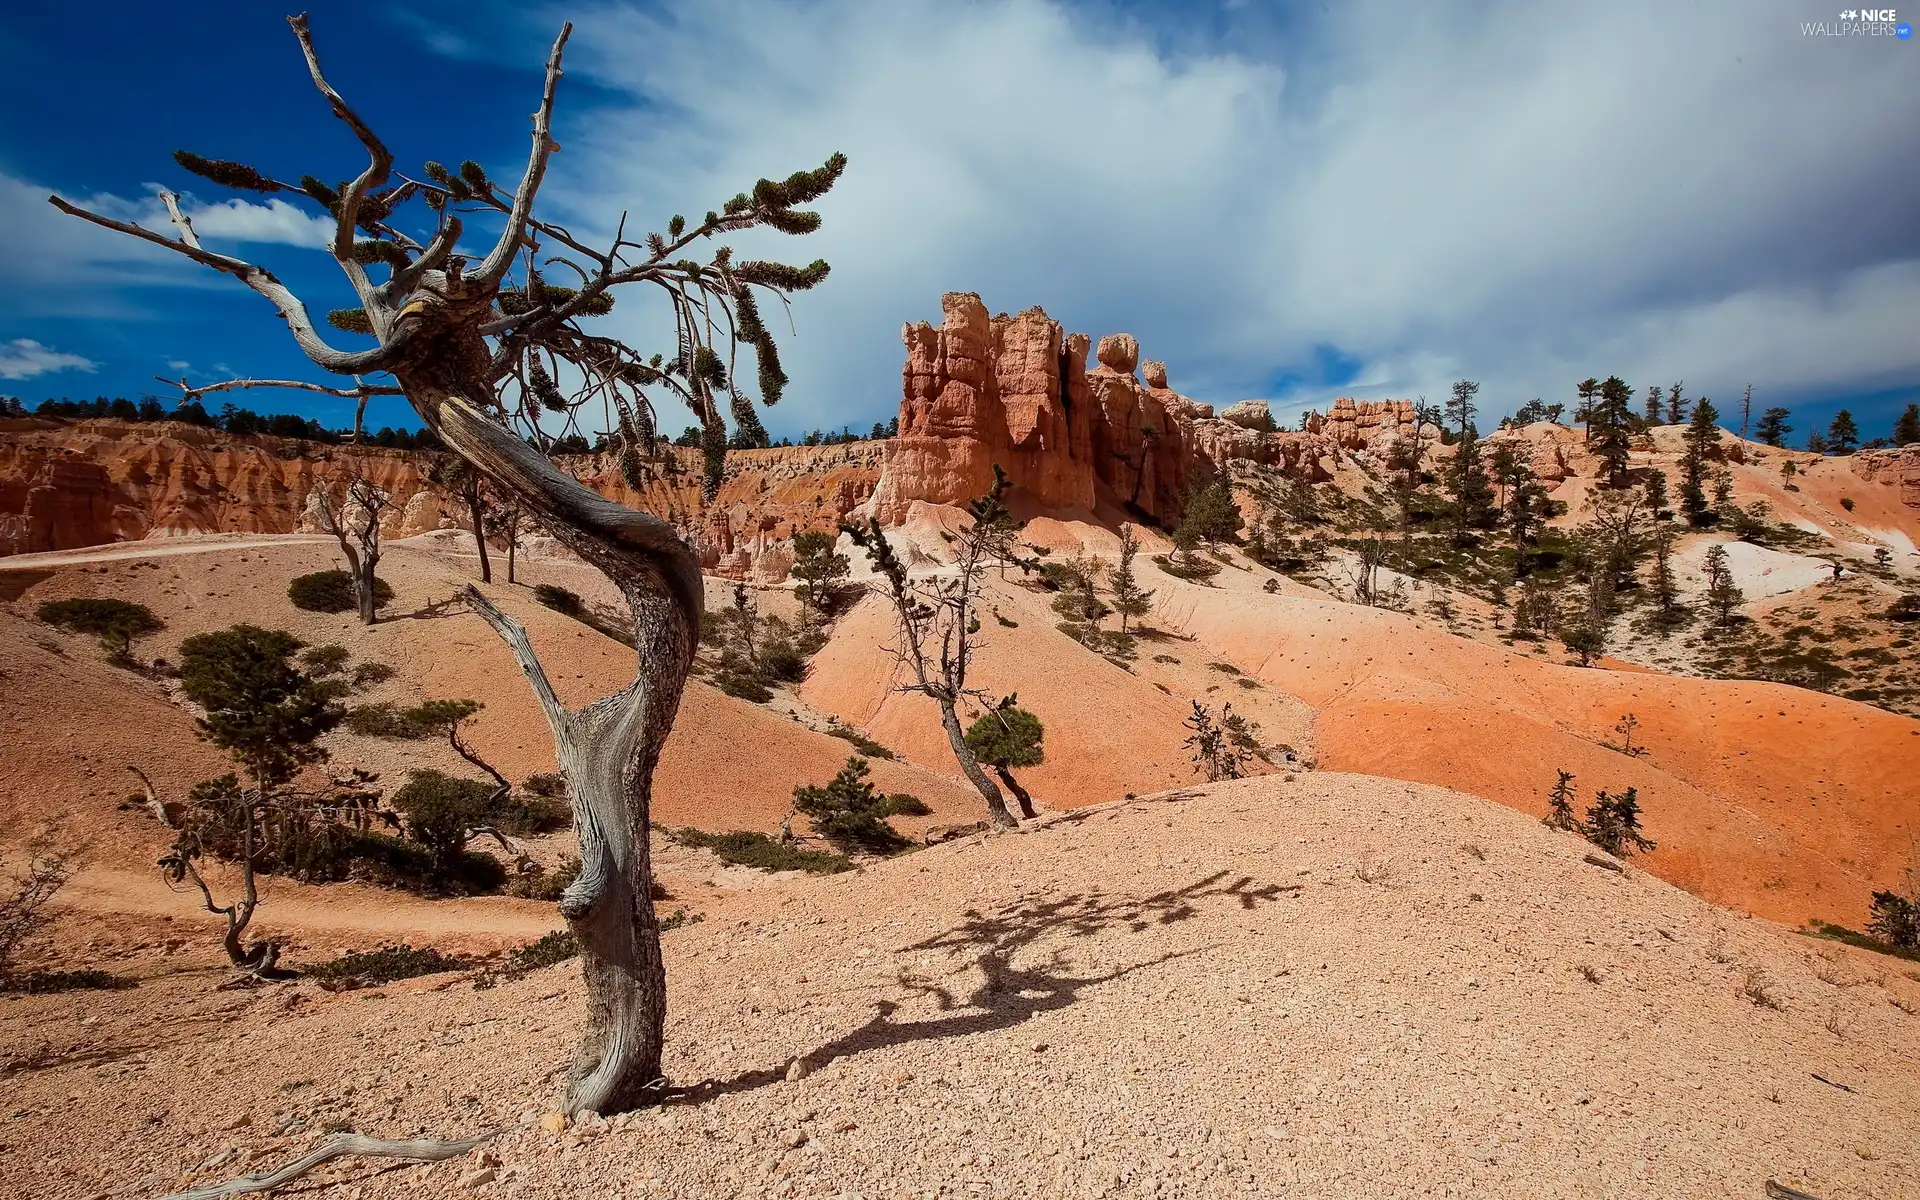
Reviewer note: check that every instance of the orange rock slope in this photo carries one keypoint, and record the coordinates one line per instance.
(1781, 801)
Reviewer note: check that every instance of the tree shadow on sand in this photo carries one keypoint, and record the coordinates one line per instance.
(1006, 994)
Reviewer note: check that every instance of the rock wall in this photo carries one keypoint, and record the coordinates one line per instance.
(1898, 468)
(68, 484)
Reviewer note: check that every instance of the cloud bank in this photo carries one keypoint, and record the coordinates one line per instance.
(24, 358)
(1375, 203)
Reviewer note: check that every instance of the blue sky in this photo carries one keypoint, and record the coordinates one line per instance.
(1289, 202)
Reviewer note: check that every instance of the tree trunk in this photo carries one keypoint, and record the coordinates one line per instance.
(1019, 793)
(513, 544)
(363, 589)
(970, 767)
(476, 511)
(607, 751)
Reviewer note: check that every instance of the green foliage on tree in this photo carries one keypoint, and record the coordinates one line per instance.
(442, 813)
(849, 813)
(1560, 805)
(1702, 440)
(1613, 823)
(1906, 427)
(1676, 406)
(1651, 413)
(1773, 428)
(1210, 514)
(1895, 920)
(1130, 600)
(1723, 594)
(260, 707)
(332, 592)
(1467, 483)
(1843, 436)
(820, 573)
(1216, 754)
(1610, 431)
(1586, 637)
(115, 622)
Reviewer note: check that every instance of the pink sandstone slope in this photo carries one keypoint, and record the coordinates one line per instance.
(1777, 800)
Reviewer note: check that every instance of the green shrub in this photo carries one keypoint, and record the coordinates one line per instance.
(383, 719)
(332, 592)
(743, 687)
(861, 742)
(528, 815)
(440, 809)
(43, 982)
(1189, 569)
(849, 813)
(368, 674)
(545, 885)
(385, 965)
(550, 784)
(321, 661)
(550, 951)
(747, 849)
(115, 622)
(394, 862)
(900, 804)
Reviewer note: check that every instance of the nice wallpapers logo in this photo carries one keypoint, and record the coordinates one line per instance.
(1860, 22)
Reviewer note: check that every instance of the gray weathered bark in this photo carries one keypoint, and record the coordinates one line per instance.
(607, 750)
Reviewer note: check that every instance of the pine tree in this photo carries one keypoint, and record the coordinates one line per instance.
(1652, 414)
(1613, 823)
(1560, 805)
(1472, 494)
(1610, 430)
(1129, 598)
(1702, 437)
(849, 813)
(1816, 444)
(819, 571)
(1676, 406)
(1906, 427)
(1656, 490)
(1773, 428)
(1843, 436)
(1746, 411)
(1666, 591)
(1587, 389)
(1005, 737)
(1215, 754)
(1722, 592)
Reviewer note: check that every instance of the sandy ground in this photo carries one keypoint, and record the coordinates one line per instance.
(1402, 991)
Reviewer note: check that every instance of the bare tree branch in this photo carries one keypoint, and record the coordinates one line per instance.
(340, 1145)
(261, 280)
(361, 391)
(379, 166)
(515, 635)
(495, 267)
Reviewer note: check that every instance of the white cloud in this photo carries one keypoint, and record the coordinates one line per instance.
(24, 358)
(1524, 193)
(46, 252)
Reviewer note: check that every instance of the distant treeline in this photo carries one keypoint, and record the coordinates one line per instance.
(242, 422)
(231, 418)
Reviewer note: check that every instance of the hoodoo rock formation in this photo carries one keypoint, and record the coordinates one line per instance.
(1016, 391)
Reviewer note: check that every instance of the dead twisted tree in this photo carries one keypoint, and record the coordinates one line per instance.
(935, 623)
(492, 356)
(355, 524)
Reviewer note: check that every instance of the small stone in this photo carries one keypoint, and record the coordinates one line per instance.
(1039, 1047)
(553, 1122)
(798, 1070)
(843, 1125)
(794, 1138)
(239, 1122)
(474, 1179)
